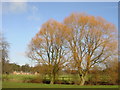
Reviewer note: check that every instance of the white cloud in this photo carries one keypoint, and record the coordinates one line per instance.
(21, 7)
(14, 7)
(34, 9)
(34, 14)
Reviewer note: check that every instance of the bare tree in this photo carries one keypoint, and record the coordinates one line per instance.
(92, 40)
(49, 47)
(4, 59)
(112, 66)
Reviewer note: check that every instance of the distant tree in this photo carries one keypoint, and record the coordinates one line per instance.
(92, 40)
(105, 76)
(48, 47)
(96, 75)
(41, 69)
(4, 46)
(15, 67)
(25, 68)
(112, 70)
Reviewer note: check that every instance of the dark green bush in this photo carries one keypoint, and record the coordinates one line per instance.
(46, 81)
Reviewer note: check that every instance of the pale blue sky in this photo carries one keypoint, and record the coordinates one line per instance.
(21, 21)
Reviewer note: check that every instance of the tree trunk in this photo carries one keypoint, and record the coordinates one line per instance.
(83, 79)
(52, 79)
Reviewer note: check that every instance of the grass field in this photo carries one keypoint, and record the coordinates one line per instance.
(37, 85)
(22, 78)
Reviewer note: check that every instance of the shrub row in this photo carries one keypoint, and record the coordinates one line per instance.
(40, 79)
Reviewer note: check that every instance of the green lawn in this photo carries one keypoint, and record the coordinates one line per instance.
(37, 85)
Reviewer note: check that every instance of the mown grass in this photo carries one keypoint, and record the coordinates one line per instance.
(37, 85)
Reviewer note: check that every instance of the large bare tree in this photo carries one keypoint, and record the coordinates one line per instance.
(92, 41)
(49, 47)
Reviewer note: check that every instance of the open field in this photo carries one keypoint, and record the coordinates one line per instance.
(37, 85)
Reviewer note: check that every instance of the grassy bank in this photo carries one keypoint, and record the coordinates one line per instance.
(37, 85)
